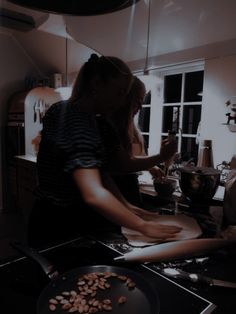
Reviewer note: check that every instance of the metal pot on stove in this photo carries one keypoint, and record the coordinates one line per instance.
(199, 184)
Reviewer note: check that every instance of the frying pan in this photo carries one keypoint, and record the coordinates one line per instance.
(142, 299)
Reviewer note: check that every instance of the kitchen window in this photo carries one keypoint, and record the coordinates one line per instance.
(176, 106)
(144, 119)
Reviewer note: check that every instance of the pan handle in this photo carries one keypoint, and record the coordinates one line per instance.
(31, 253)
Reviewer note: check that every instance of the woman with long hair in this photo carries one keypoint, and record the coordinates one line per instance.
(132, 140)
(75, 194)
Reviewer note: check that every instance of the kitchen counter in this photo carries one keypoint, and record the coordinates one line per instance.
(26, 180)
(30, 158)
(146, 187)
(145, 181)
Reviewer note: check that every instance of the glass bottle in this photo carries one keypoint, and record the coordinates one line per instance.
(205, 155)
(168, 163)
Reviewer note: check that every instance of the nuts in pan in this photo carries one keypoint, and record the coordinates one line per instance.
(83, 299)
(122, 299)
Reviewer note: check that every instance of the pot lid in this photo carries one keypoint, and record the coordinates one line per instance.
(75, 7)
(199, 170)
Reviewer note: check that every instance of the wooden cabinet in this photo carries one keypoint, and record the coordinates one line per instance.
(26, 178)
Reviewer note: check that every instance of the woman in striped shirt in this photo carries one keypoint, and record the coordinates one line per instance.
(75, 194)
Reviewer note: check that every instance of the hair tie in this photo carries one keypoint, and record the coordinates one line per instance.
(93, 58)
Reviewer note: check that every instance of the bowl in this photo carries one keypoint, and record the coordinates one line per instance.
(165, 187)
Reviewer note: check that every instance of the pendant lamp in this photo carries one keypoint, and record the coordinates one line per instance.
(76, 7)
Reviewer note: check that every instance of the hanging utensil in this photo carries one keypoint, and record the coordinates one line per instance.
(40, 111)
(35, 113)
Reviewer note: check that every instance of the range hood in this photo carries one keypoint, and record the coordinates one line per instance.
(76, 7)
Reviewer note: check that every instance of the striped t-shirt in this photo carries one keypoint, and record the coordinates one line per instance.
(71, 139)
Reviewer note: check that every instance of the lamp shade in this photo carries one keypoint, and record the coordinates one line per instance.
(75, 7)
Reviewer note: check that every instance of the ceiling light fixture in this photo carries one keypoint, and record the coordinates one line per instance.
(76, 7)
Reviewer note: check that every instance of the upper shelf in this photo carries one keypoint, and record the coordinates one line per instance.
(231, 127)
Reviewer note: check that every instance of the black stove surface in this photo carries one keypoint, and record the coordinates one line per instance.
(22, 280)
(219, 264)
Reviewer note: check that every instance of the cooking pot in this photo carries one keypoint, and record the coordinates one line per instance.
(199, 184)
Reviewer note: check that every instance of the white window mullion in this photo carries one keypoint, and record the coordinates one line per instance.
(181, 114)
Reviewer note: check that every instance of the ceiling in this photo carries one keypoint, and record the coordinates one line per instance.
(179, 30)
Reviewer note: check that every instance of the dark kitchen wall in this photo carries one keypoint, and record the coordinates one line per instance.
(15, 65)
(36, 54)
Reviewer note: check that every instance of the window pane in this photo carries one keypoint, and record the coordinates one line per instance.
(191, 119)
(146, 143)
(147, 98)
(170, 119)
(144, 119)
(172, 88)
(193, 86)
(189, 149)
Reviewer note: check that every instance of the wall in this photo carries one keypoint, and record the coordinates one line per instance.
(15, 66)
(219, 86)
(49, 51)
(35, 53)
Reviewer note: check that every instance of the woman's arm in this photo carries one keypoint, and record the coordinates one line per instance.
(122, 162)
(101, 199)
(109, 183)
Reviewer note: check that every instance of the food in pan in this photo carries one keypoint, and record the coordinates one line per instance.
(84, 298)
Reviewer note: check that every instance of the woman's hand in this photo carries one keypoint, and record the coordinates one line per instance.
(158, 231)
(156, 173)
(168, 149)
(144, 214)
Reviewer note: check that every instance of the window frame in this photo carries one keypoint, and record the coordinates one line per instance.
(157, 102)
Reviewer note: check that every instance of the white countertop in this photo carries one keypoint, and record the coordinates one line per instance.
(28, 157)
(145, 180)
(146, 186)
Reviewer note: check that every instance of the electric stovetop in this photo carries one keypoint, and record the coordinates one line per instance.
(22, 280)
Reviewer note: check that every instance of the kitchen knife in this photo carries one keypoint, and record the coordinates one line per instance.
(174, 250)
(40, 110)
(197, 278)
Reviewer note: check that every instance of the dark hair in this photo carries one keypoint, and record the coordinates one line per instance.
(123, 118)
(102, 67)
